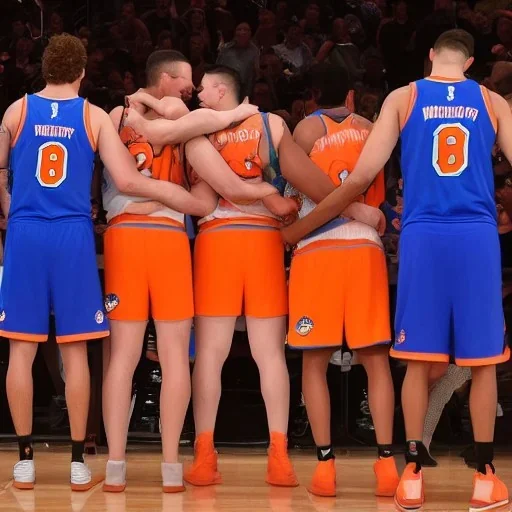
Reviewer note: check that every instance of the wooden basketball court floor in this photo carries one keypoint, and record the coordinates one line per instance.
(448, 487)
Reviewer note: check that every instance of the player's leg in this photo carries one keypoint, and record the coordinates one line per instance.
(423, 334)
(173, 340)
(218, 291)
(318, 407)
(480, 343)
(266, 338)
(316, 295)
(213, 343)
(266, 304)
(127, 304)
(171, 269)
(25, 319)
(79, 317)
(367, 329)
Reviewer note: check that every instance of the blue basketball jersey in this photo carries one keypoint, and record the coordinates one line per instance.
(446, 155)
(52, 161)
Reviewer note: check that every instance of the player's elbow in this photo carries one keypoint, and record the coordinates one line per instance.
(127, 186)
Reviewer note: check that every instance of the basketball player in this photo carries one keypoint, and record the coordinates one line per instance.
(338, 283)
(448, 126)
(147, 255)
(47, 142)
(237, 262)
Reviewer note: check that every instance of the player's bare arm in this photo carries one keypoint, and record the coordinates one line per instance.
(504, 119)
(199, 122)
(308, 178)
(168, 107)
(375, 154)
(211, 167)
(128, 179)
(8, 129)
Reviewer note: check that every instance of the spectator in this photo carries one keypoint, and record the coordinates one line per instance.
(133, 32)
(503, 50)
(164, 40)
(294, 54)
(242, 55)
(394, 42)
(194, 21)
(266, 34)
(340, 51)
(198, 58)
(158, 19)
(311, 20)
(262, 96)
(56, 27)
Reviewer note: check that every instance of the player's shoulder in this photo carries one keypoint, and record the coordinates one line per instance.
(361, 122)
(401, 95)
(14, 114)
(499, 103)
(308, 131)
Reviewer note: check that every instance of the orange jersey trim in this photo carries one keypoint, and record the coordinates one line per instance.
(23, 117)
(419, 356)
(22, 336)
(82, 337)
(252, 221)
(144, 219)
(88, 126)
(490, 109)
(412, 101)
(435, 78)
(484, 361)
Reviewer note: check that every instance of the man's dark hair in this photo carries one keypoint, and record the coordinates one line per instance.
(229, 75)
(458, 40)
(160, 61)
(64, 60)
(332, 82)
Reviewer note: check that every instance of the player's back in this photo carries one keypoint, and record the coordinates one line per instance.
(52, 160)
(446, 153)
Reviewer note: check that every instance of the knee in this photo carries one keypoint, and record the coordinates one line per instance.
(419, 369)
(316, 361)
(375, 360)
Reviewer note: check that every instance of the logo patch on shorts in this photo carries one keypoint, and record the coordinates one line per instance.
(400, 338)
(111, 302)
(304, 326)
(99, 317)
(2, 316)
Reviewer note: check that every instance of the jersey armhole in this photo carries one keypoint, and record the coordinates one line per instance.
(88, 126)
(21, 124)
(490, 110)
(413, 95)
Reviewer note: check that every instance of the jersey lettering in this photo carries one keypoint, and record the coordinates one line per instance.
(52, 164)
(450, 152)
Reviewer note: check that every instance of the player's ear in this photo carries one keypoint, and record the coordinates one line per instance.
(222, 91)
(468, 63)
(431, 54)
(82, 76)
(350, 101)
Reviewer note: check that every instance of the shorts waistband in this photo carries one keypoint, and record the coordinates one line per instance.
(143, 221)
(241, 223)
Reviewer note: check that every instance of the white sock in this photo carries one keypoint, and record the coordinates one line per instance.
(172, 474)
(116, 472)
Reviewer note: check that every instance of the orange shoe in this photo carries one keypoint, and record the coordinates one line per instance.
(387, 477)
(204, 468)
(280, 471)
(323, 482)
(489, 492)
(409, 494)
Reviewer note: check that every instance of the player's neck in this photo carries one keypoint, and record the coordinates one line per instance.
(61, 91)
(153, 91)
(447, 71)
(228, 104)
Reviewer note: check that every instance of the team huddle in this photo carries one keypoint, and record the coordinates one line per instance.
(256, 189)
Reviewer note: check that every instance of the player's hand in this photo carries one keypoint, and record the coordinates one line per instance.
(134, 119)
(280, 206)
(243, 111)
(368, 215)
(289, 236)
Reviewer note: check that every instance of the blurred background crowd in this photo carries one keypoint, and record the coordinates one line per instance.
(383, 44)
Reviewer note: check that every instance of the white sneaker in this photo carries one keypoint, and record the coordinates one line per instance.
(24, 474)
(115, 479)
(81, 478)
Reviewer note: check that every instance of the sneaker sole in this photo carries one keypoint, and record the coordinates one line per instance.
(282, 484)
(322, 494)
(493, 506)
(23, 486)
(95, 480)
(171, 489)
(407, 508)
(203, 483)
(114, 488)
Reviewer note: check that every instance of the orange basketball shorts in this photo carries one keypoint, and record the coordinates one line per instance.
(148, 271)
(239, 269)
(337, 288)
